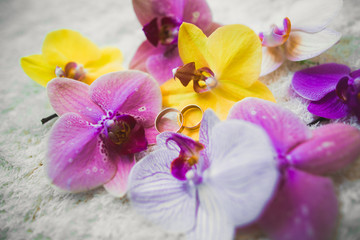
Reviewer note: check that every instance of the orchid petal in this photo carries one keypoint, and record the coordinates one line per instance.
(211, 221)
(37, 68)
(131, 92)
(150, 134)
(305, 207)
(178, 96)
(156, 194)
(68, 95)
(301, 46)
(150, 9)
(272, 59)
(198, 13)
(235, 55)
(313, 16)
(235, 92)
(207, 124)
(284, 128)
(76, 158)
(211, 28)
(315, 82)
(160, 66)
(193, 45)
(277, 36)
(329, 106)
(65, 45)
(331, 148)
(236, 167)
(117, 186)
(110, 61)
(142, 54)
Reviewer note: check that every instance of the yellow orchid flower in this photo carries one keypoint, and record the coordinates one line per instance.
(224, 68)
(66, 53)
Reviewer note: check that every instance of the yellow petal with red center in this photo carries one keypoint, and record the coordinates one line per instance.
(63, 46)
(38, 69)
(235, 55)
(110, 61)
(192, 45)
(177, 96)
(234, 92)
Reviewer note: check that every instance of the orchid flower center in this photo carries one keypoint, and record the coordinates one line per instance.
(164, 30)
(72, 70)
(203, 78)
(123, 133)
(348, 91)
(183, 167)
(118, 131)
(277, 36)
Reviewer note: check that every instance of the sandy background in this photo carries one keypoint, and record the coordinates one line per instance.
(30, 208)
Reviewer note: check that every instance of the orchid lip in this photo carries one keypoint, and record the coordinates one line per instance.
(203, 78)
(182, 166)
(278, 35)
(72, 70)
(164, 31)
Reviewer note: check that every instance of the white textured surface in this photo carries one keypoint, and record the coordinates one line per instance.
(30, 208)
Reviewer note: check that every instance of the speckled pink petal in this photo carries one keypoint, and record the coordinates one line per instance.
(305, 207)
(331, 148)
(158, 196)
(67, 95)
(285, 129)
(329, 106)
(142, 54)
(150, 134)
(313, 16)
(150, 9)
(272, 59)
(117, 186)
(315, 82)
(128, 92)
(160, 66)
(198, 13)
(77, 159)
(301, 45)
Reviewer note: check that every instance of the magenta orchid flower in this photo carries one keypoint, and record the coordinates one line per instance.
(161, 20)
(302, 35)
(333, 90)
(206, 188)
(305, 205)
(100, 129)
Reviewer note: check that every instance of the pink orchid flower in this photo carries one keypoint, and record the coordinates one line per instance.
(161, 19)
(303, 34)
(305, 205)
(100, 129)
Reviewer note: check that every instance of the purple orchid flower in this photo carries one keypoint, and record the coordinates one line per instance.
(333, 90)
(206, 188)
(302, 35)
(100, 129)
(305, 205)
(161, 19)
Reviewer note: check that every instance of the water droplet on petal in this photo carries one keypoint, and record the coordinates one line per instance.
(142, 109)
(87, 171)
(94, 169)
(253, 112)
(70, 160)
(101, 171)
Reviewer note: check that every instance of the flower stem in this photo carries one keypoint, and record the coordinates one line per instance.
(45, 120)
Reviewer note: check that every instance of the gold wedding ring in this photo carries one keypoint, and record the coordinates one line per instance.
(169, 120)
(192, 108)
(172, 120)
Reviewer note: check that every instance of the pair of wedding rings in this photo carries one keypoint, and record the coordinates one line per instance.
(172, 119)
